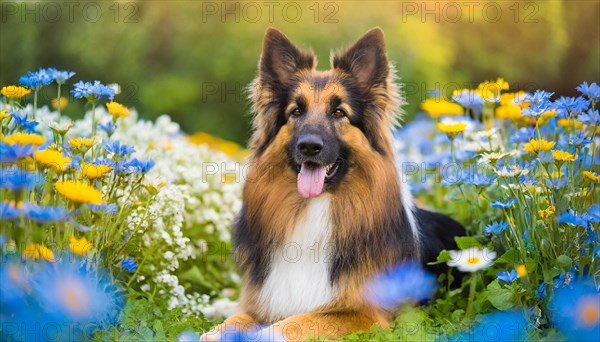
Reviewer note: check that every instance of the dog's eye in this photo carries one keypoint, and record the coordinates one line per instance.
(339, 112)
(296, 112)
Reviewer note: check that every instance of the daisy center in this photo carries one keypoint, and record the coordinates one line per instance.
(473, 261)
(589, 314)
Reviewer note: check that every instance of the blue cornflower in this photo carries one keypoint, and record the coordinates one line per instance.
(591, 90)
(495, 228)
(469, 99)
(570, 104)
(523, 135)
(44, 214)
(60, 76)
(591, 117)
(75, 293)
(593, 213)
(35, 80)
(497, 326)
(108, 127)
(576, 310)
(541, 291)
(119, 149)
(92, 91)
(580, 140)
(504, 205)
(408, 282)
(540, 96)
(104, 161)
(143, 165)
(26, 125)
(9, 211)
(478, 179)
(15, 179)
(508, 277)
(539, 103)
(12, 153)
(129, 264)
(571, 217)
(104, 208)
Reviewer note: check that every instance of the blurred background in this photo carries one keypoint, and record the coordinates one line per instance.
(193, 59)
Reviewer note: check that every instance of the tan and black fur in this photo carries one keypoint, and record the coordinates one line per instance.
(344, 116)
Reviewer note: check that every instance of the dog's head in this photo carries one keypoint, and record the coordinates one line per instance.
(333, 119)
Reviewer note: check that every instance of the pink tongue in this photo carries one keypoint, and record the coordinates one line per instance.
(310, 180)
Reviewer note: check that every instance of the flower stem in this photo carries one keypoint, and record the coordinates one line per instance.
(93, 125)
(472, 288)
(58, 100)
(35, 93)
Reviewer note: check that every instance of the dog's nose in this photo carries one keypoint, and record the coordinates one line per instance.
(310, 145)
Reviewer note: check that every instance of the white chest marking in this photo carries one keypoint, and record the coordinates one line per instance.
(298, 279)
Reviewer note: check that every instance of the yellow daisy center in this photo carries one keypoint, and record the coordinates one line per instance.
(473, 261)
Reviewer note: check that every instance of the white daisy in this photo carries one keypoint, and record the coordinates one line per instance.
(472, 259)
(491, 158)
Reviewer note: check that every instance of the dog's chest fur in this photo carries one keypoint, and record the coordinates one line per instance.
(299, 279)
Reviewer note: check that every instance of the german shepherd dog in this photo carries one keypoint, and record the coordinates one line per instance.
(324, 209)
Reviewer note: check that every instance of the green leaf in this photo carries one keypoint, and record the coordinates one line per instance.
(511, 256)
(465, 242)
(564, 263)
(443, 257)
(502, 299)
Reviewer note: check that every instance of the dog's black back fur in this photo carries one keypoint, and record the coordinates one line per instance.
(437, 233)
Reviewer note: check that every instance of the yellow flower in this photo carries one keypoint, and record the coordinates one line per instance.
(94, 171)
(14, 92)
(52, 159)
(490, 90)
(452, 129)
(79, 246)
(82, 144)
(62, 102)
(79, 192)
(512, 98)
(509, 112)
(24, 139)
(117, 110)
(36, 251)
(562, 156)
(592, 176)
(4, 114)
(438, 107)
(547, 213)
(535, 146)
(521, 270)
(569, 124)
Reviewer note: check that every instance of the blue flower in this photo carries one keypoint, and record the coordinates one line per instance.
(129, 264)
(469, 99)
(60, 76)
(104, 208)
(495, 228)
(143, 165)
(570, 104)
(188, 336)
(593, 213)
(523, 135)
(92, 91)
(108, 127)
(592, 90)
(540, 96)
(119, 149)
(591, 117)
(44, 214)
(12, 153)
(571, 217)
(478, 179)
(580, 140)
(26, 125)
(497, 326)
(9, 211)
(576, 310)
(15, 179)
(408, 282)
(541, 291)
(508, 277)
(35, 80)
(504, 205)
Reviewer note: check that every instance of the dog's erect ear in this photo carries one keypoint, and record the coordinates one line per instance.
(281, 59)
(365, 60)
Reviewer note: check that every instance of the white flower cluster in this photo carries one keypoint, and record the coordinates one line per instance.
(199, 191)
